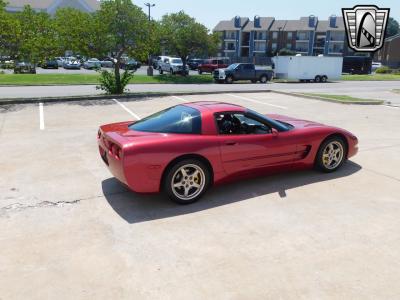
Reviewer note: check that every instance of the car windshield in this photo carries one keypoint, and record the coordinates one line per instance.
(280, 126)
(176, 61)
(177, 119)
(232, 66)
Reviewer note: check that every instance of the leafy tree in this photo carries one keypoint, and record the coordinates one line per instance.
(392, 27)
(124, 31)
(10, 31)
(37, 37)
(183, 36)
(75, 30)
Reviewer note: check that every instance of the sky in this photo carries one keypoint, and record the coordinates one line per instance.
(210, 12)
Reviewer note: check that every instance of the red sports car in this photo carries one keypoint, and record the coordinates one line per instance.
(185, 149)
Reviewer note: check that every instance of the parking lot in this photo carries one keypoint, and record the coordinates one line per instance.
(69, 228)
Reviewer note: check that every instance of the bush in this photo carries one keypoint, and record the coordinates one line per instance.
(286, 52)
(109, 84)
(383, 70)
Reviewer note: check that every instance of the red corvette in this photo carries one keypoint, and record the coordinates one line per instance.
(185, 149)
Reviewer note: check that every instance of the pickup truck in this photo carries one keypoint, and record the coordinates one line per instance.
(242, 72)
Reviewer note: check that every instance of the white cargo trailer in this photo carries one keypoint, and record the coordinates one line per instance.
(307, 68)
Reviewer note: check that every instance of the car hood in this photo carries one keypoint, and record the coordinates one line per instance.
(298, 123)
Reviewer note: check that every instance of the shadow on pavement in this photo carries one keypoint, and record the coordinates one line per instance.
(136, 208)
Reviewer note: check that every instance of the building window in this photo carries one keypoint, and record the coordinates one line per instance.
(302, 36)
(230, 46)
(290, 35)
(274, 46)
(289, 46)
(275, 35)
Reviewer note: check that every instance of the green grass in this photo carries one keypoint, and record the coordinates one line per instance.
(371, 77)
(396, 91)
(77, 79)
(344, 98)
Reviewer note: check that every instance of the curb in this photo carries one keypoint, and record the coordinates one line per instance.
(300, 95)
(128, 96)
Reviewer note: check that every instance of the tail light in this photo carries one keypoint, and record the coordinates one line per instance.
(115, 150)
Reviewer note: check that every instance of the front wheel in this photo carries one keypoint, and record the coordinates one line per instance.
(331, 154)
(263, 79)
(187, 181)
(317, 79)
(229, 79)
(200, 71)
(161, 71)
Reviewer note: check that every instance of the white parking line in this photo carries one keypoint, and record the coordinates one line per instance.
(256, 101)
(395, 107)
(41, 116)
(127, 109)
(179, 98)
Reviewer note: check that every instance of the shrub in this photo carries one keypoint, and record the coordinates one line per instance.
(383, 70)
(108, 82)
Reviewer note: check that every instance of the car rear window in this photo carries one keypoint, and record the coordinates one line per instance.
(177, 119)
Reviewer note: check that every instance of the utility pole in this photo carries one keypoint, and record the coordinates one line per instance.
(150, 67)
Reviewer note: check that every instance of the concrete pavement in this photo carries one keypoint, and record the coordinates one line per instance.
(71, 231)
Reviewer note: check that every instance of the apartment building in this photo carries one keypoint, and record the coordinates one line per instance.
(389, 54)
(256, 40)
(51, 6)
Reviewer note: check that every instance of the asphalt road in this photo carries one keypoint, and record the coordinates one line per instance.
(71, 231)
(363, 89)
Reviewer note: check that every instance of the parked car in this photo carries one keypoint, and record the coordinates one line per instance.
(242, 72)
(357, 64)
(107, 62)
(60, 61)
(72, 64)
(210, 65)
(92, 63)
(158, 60)
(49, 64)
(131, 64)
(185, 149)
(173, 65)
(194, 63)
(24, 68)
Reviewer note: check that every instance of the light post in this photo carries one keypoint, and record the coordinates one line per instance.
(150, 67)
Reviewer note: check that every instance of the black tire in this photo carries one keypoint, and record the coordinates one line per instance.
(172, 72)
(172, 175)
(264, 79)
(229, 79)
(317, 79)
(319, 159)
(200, 72)
(161, 71)
(324, 78)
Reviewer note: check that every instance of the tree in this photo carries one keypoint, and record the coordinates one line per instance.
(392, 27)
(37, 37)
(183, 36)
(124, 31)
(75, 30)
(10, 31)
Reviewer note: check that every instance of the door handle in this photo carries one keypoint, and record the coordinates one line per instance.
(230, 143)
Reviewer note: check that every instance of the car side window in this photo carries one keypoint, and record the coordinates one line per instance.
(248, 67)
(240, 123)
(166, 60)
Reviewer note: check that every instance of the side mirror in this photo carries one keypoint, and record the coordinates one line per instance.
(274, 132)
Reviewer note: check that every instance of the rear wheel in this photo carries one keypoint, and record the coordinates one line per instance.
(317, 79)
(324, 78)
(200, 71)
(187, 181)
(161, 71)
(331, 154)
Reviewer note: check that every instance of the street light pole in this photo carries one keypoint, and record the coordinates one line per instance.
(150, 67)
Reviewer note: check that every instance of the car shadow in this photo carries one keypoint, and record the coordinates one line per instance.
(136, 208)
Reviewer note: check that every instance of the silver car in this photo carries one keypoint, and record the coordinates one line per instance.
(92, 63)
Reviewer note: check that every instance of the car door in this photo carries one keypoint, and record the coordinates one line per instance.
(265, 148)
(248, 72)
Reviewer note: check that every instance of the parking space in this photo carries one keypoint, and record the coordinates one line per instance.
(68, 226)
